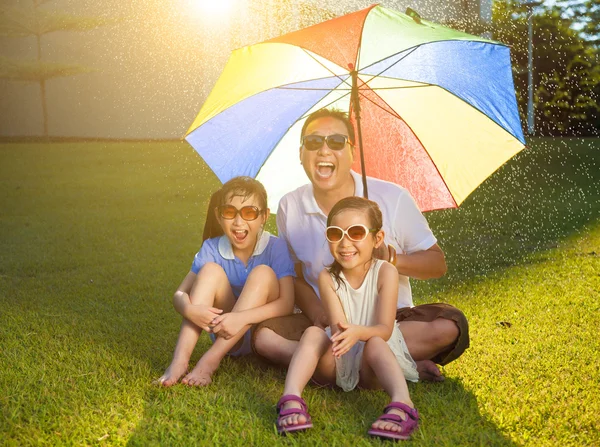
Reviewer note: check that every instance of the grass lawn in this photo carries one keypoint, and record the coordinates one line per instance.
(95, 237)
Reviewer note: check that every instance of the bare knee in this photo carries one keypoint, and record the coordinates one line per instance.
(436, 334)
(444, 332)
(210, 269)
(263, 272)
(314, 340)
(313, 334)
(373, 347)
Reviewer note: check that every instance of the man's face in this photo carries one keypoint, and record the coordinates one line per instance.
(327, 169)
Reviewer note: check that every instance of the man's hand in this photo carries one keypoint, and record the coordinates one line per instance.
(347, 337)
(202, 315)
(385, 253)
(227, 325)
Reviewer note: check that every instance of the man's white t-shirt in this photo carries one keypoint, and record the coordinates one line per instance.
(302, 224)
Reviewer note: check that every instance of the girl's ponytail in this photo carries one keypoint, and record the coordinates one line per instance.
(212, 228)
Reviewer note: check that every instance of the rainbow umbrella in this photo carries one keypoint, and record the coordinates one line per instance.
(438, 113)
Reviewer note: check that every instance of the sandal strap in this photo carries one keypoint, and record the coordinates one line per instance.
(390, 417)
(410, 412)
(291, 411)
(292, 398)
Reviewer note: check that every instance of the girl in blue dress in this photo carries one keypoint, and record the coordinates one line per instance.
(241, 276)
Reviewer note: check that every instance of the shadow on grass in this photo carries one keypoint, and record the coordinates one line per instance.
(232, 413)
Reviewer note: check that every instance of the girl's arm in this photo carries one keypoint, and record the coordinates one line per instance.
(385, 314)
(182, 303)
(387, 300)
(333, 308)
(181, 298)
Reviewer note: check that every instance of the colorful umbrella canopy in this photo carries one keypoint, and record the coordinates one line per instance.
(438, 107)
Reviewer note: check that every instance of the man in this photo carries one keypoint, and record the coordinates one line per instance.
(434, 333)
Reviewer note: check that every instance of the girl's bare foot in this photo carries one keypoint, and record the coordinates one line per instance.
(390, 425)
(393, 426)
(174, 372)
(292, 419)
(202, 372)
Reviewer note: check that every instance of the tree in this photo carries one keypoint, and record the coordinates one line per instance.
(566, 74)
(585, 15)
(36, 22)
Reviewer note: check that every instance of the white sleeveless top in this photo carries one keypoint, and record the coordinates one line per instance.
(359, 307)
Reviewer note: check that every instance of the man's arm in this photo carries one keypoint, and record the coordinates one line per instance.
(307, 300)
(424, 264)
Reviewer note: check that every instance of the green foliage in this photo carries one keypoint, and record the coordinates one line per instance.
(96, 237)
(566, 69)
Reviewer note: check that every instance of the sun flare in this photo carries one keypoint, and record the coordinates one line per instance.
(211, 9)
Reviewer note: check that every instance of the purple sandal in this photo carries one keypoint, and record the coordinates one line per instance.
(282, 414)
(407, 426)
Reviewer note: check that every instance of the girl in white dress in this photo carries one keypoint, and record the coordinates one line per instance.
(363, 346)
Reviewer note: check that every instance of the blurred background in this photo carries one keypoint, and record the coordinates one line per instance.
(141, 69)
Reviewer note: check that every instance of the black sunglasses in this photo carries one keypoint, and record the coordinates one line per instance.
(337, 142)
(247, 212)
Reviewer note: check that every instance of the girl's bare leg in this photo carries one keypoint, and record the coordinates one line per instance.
(211, 285)
(261, 287)
(313, 357)
(188, 336)
(380, 369)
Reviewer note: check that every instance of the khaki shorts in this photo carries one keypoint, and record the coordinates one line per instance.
(293, 326)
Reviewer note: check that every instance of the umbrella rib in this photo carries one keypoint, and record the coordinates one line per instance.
(335, 100)
(387, 68)
(310, 89)
(397, 88)
(326, 68)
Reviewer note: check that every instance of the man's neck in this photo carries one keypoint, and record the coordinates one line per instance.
(326, 199)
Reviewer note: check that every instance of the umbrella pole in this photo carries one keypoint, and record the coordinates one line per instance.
(356, 107)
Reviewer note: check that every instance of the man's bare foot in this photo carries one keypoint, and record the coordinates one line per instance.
(429, 371)
(174, 372)
(202, 373)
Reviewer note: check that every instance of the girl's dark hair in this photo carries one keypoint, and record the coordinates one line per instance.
(242, 186)
(374, 216)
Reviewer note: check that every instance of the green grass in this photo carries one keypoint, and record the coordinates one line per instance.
(95, 237)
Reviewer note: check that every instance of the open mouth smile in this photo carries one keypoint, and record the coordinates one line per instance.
(239, 235)
(325, 169)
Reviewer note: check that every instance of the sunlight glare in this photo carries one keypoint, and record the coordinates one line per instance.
(212, 9)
